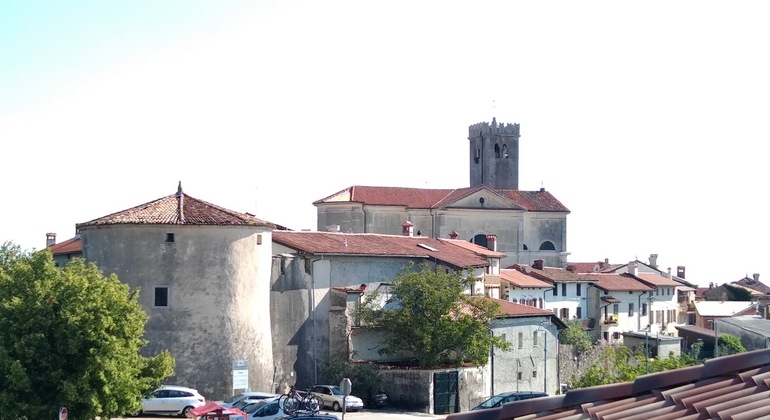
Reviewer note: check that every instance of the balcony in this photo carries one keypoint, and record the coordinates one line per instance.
(611, 320)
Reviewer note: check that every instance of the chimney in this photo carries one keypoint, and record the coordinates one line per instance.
(756, 277)
(538, 264)
(492, 242)
(654, 260)
(407, 229)
(50, 239)
(633, 268)
(711, 285)
(669, 274)
(680, 271)
(453, 234)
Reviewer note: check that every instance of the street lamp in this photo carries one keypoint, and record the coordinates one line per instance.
(646, 350)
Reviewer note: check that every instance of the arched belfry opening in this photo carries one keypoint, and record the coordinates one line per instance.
(480, 240)
(547, 246)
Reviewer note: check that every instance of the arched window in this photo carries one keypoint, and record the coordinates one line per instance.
(497, 150)
(480, 240)
(547, 246)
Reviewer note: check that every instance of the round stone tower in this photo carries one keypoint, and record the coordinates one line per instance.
(203, 276)
(494, 155)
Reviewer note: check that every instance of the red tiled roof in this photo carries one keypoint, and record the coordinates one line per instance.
(617, 282)
(70, 246)
(423, 198)
(178, 209)
(378, 245)
(750, 283)
(658, 280)
(584, 267)
(552, 274)
(731, 387)
(520, 279)
(509, 309)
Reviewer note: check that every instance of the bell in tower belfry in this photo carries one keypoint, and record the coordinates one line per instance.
(494, 155)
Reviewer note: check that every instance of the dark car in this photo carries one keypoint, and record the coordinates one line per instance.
(508, 397)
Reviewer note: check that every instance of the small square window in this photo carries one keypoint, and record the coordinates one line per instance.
(259, 239)
(169, 237)
(534, 374)
(518, 376)
(160, 299)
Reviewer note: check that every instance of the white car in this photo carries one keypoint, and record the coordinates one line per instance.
(267, 409)
(171, 400)
(244, 397)
(331, 396)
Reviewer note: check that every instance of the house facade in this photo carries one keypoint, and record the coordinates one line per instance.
(529, 225)
(203, 275)
(319, 277)
(567, 297)
(614, 300)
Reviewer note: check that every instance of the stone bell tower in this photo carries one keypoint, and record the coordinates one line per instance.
(494, 155)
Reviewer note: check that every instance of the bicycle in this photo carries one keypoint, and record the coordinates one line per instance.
(294, 402)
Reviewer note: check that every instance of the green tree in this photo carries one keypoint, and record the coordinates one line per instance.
(431, 318)
(730, 344)
(70, 337)
(576, 336)
(619, 364)
(738, 293)
(365, 378)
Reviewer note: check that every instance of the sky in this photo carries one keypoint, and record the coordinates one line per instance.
(648, 120)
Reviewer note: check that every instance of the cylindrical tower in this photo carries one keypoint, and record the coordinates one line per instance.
(203, 275)
(494, 155)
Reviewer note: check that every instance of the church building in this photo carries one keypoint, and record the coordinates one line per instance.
(524, 225)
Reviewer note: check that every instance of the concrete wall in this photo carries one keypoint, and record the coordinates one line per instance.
(532, 359)
(218, 311)
(413, 388)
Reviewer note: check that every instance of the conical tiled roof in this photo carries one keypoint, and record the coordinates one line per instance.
(178, 209)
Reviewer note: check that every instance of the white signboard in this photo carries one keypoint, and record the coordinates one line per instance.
(240, 375)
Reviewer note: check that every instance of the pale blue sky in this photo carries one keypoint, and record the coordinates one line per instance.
(648, 120)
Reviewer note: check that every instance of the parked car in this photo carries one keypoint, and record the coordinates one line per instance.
(377, 400)
(246, 396)
(267, 409)
(331, 396)
(171, 400)
(317, 416)
(508, 397)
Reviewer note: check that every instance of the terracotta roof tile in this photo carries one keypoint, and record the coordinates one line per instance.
(552, 274)
(461, 254)
(729, 387)
(617, 282)
(423, 198)
(517, 278)
(509, 309)
(70, 246)
(658, 280)
(178, 209)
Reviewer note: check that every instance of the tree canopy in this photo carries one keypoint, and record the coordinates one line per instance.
(429, 316)
(576, 336)
(70, 337)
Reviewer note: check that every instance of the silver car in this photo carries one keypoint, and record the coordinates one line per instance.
(171, 400)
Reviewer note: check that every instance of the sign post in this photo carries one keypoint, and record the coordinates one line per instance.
(345, 388)
(240, 375)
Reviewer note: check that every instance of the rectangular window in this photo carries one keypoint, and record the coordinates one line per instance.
(631, 309)
(579, 313)
(169, 237)
(259, 239)
(534, 338)
(577, 289)
(644, 309)
(555, 290)
(534, 374)
(160, 300)
(564, 289)
(615, 308)
(518, 376)
(521, 340)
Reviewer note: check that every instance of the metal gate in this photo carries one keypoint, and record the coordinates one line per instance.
(445, 399)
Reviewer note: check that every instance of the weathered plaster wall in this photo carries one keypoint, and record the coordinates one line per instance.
(218, 312)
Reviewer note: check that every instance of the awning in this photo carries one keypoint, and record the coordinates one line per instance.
(610, 299)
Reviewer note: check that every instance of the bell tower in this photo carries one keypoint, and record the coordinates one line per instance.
(494, 155)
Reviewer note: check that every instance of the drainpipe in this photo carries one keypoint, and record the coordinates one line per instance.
(639, 312)
(492, 363)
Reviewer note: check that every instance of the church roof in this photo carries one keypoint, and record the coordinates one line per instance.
(178, 209)
(379, 245)
(424, 198)
(729, 387)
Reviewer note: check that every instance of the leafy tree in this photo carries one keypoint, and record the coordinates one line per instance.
(431, 318)
(738, 294)
(730, 344)
(365, 378)
(70, 337)
(576, 336)
(619, 364)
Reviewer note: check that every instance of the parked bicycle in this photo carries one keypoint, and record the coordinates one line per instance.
(297, 401)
